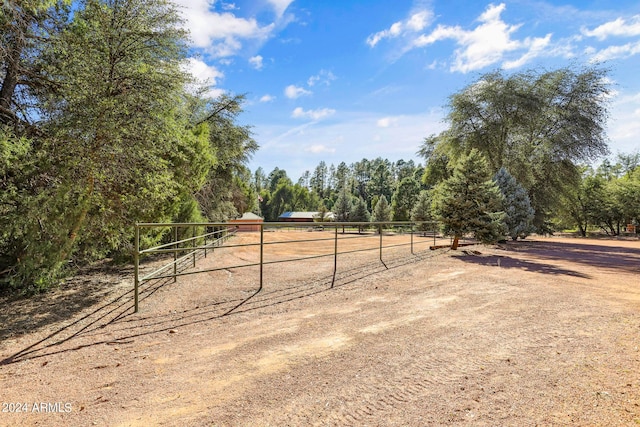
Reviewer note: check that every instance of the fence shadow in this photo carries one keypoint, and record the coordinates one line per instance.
(123, 328)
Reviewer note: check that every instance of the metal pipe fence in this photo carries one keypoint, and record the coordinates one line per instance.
(186, 250)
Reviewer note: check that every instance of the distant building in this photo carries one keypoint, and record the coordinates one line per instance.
(249, 218)
(304, 216)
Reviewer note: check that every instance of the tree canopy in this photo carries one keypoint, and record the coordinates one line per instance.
(101, 129)
(538, 125)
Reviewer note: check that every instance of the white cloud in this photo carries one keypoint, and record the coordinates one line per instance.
(318, 114)
(229, 6)
(256, 62)
(279, 6)
(386, 122)
(619, 28)
(293, 92)
(486, 44)
(323, 77)
(267, 98)
(204, 74)
(320, 148)
(220, 34)
(416, 22)
(536, 46)
(615, 52)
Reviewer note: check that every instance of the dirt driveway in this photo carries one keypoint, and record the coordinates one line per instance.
(541, 332)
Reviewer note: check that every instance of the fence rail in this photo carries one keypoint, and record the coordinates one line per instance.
(185, 250)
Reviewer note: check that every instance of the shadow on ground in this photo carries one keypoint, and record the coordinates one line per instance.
(507, 262)
(618, 258)
(92, 284)
(124, 327)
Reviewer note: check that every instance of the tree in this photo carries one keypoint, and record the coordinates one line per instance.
(381, 183)
(470, 201)
(27, 27)
(342, 207)
(382, 210)
(360, 213)
(318, 181)
(224, 194)
(435, 151)
(113, 142)
(537, 125)
(516, 205)
(404, 198)
(342, 175)
(421, 212)
(574, 205)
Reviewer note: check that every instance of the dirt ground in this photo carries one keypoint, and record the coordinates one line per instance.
(535, 333)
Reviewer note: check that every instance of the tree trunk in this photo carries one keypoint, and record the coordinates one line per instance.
(583, 230)
(9, 84)
(454, 246)
(79, 222)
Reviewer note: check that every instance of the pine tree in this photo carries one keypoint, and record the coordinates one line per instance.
(470, 201)
(360, 213)
(516, 205)
(404, 198)
(343, 206)
(382, 210)
(422, 211)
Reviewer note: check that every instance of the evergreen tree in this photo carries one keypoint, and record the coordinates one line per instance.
(343, 206)
(404, 198)
(382, 210)
(470, 201)
(516, 205)
(422, 212)
(360, 213)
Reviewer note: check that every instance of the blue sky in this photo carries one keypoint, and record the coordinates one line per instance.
(346, 79)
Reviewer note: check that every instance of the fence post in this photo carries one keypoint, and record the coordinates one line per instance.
(434, 234)
(261, 254)
(411, 239)
(175, 254)
(193, 244)
(380, 233)
(335, 256)
(136, 260)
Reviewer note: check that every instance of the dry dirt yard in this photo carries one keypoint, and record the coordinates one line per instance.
(542, 332)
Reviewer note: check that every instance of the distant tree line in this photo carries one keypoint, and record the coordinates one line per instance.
(510, 163)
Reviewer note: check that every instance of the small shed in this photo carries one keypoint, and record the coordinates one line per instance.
(248, 219)
(304, 216)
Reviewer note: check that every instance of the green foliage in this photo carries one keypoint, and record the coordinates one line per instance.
(404, 198)
(470, 201)
(422, 212)
(607, 198)
(538, 125)
(382, 210)
(516, 205)
(118, 139)
(360, 213)
(343, 206)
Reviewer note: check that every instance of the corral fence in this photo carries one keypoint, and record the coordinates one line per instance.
(189, 242)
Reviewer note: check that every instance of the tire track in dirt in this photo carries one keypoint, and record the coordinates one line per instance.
(370, 400)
